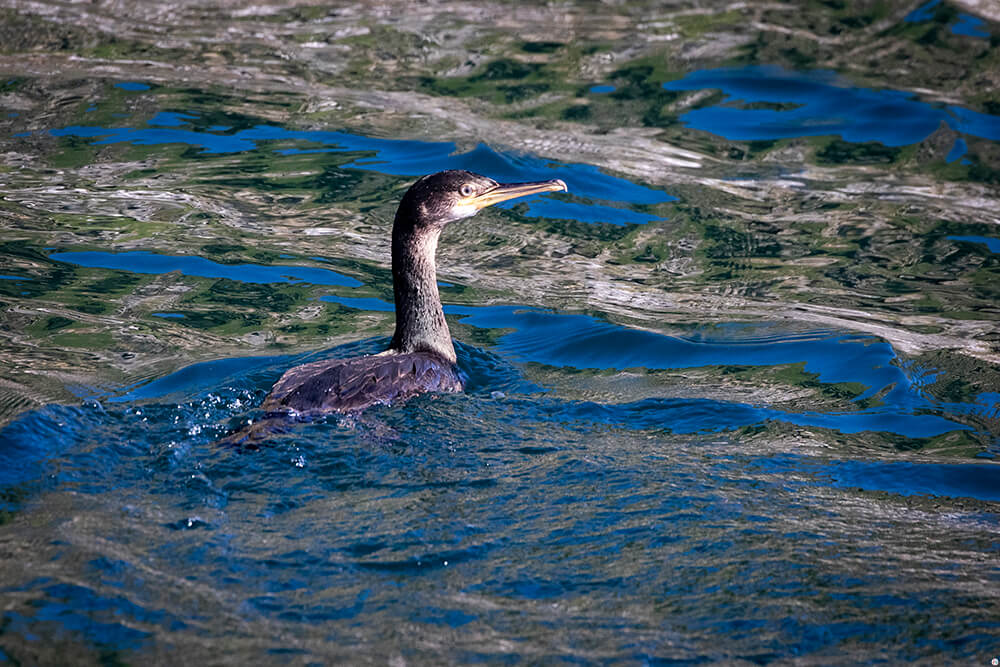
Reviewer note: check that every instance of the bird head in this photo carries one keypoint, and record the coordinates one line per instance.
(437, 199)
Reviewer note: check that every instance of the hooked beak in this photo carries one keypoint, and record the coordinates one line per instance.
(505, 191)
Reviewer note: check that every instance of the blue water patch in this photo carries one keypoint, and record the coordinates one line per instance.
(171, 315)
(171, 118)
(826, 105)
(992, 243)
(972, 480)
(957, 150)
(77, 609)
(192, 265)
(975, 123)
(986, 405)
(196, 377)
(132, 86)
(23, 134)
(12, 114)
(547, 207)
(955, 480)
(90, 108)
(6, 277)
(969, 26)
(602, 89)
(924, 12)
(402, 158)
(583, 342)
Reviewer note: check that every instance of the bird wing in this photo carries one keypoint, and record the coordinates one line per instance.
(349, 385)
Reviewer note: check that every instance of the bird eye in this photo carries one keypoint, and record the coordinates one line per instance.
(466, 190)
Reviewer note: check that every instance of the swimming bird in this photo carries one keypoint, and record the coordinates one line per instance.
(421, 357)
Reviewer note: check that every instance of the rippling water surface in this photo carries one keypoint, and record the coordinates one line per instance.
(732, 397)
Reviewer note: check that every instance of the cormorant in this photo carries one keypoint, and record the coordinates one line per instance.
(421, 357)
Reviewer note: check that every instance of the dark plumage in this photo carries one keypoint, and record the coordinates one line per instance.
(349, 385)
(421, 356)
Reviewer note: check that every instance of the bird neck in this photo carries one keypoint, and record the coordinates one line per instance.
(420, 323)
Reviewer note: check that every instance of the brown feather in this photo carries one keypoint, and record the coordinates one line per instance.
(349, 385)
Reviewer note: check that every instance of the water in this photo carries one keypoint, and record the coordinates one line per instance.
(818, 104)
(733, 397)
